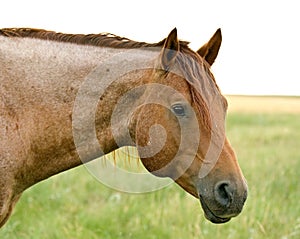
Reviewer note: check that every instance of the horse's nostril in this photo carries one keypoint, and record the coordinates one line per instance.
(224, 193)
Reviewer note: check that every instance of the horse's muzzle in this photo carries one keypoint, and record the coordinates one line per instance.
(210, 215)
(224, 202)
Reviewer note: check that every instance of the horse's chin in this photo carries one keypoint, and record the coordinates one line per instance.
(4, 218)
(209, 215)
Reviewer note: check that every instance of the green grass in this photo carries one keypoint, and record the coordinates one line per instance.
(74, 205)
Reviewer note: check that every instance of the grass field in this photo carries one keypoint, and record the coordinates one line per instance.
(265, 131)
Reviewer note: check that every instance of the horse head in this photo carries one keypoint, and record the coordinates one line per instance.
(180, 128)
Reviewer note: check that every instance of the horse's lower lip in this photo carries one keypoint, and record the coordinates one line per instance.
(210, 215)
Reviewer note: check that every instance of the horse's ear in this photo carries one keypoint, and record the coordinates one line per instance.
(170, 50)
(210, 50)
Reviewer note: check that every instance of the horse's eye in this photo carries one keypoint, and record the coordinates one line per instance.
(178, 109)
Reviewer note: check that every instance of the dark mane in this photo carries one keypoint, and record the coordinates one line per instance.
(196, 72)
(101, 39)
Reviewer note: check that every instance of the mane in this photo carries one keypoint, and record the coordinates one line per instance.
(193, 72)
(196, 72)
(101, 39)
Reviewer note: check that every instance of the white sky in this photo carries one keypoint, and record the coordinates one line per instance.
(261, 38)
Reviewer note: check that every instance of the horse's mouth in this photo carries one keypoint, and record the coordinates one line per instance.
(210, 215)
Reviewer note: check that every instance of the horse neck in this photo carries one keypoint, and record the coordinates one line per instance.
(40, 82)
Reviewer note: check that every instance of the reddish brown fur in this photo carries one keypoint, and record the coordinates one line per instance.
(48, 141)
(111, 40)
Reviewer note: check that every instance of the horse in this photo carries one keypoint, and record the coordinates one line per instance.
(174, 113)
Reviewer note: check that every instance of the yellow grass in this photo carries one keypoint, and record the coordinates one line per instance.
(264, 104)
